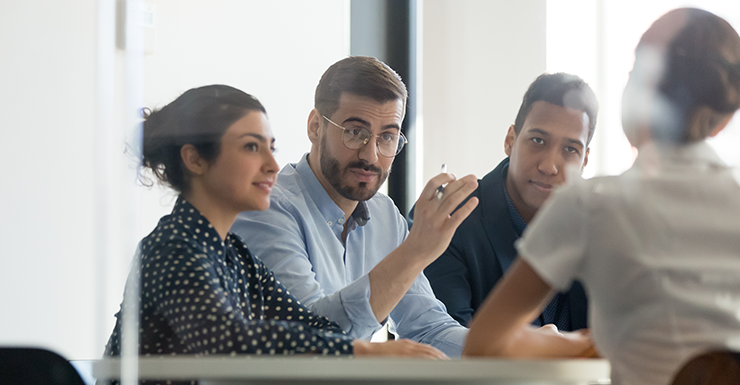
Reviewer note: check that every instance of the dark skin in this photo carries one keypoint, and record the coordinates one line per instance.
(551, 138)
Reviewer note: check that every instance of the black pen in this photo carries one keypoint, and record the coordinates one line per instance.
(441, 189)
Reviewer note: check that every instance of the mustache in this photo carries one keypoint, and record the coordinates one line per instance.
(365, 166)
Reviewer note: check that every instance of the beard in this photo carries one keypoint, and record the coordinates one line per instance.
(334, 174)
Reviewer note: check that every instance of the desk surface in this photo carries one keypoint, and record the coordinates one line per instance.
(385, 370)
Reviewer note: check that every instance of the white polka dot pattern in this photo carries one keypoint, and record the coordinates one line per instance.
(202, 296)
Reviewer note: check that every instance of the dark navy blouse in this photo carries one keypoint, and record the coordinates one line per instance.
(201, 295)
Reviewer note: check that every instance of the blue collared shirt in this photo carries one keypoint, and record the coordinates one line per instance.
(300, 239)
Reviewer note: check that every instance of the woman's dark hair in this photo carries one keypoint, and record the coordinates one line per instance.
(686, 76)
(199, 117)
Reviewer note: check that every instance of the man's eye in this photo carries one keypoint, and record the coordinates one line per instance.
(538, 140)
(387, 137)
(252, 146)
(571, 149)
(354, 131)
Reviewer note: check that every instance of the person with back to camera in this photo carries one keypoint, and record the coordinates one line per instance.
(658, 247)
(201, 290)
(552, 131)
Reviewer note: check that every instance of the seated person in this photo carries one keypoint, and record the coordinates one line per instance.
(345, 250)
(552, 130)
(657, 247)
(199, 289)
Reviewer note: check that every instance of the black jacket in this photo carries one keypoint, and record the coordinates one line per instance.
(470, 267)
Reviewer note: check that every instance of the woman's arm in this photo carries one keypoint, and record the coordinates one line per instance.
(199, 300)
(501, 326)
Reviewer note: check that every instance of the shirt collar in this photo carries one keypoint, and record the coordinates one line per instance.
(516, 218)
(656, 156)
(329, 210)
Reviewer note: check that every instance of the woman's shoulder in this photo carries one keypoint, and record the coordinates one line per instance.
(244, 253)
(178, 232)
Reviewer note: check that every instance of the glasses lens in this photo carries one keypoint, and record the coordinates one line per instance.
(354, 137)
(387, 144)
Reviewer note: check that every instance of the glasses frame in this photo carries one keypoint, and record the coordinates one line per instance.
(398, 150)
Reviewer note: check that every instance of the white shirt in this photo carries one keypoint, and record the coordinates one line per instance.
(658, 251)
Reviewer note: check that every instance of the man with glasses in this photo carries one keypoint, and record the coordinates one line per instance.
(552, 130)
(339, 246)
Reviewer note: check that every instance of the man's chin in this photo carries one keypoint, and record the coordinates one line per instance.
(358, 193)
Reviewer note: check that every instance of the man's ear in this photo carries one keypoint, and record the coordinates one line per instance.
(192, 160)
(585, 158)
(314, 122)
(509, 140)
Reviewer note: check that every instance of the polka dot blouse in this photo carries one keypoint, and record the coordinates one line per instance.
(201, 295)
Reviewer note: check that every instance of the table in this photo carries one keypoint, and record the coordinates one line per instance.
(345, 370)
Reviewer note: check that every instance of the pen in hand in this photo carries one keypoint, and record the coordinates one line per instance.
(441, 189)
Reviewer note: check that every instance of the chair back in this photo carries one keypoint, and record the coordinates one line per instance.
(31, 366)
(715, 368)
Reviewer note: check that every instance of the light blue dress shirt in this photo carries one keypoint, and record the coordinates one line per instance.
(300, 239)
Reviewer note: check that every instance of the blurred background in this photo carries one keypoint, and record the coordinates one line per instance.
(74, 73)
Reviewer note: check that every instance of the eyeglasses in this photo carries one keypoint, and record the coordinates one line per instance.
(356, 137)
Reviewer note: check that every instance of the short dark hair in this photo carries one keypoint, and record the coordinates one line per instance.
(361, 76)
(560, 89)
(688, 58)
(199, 117)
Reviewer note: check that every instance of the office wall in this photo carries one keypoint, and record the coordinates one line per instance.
(47, 86)
(51, 65)
(478, 57)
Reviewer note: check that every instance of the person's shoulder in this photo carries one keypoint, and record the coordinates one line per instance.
(383, 211)
(290, 188)
(590, 193)
(176, 234)
(382, 204)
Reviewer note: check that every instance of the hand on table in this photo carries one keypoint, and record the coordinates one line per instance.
(402, 347)
(580, 337)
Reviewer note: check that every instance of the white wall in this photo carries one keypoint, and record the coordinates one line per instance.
(47, 86)
(276, 50)
(478, 59)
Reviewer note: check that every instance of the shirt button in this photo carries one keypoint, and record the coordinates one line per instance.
(330, 223)
(341, 220)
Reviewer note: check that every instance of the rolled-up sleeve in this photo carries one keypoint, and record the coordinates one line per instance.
(421, 317)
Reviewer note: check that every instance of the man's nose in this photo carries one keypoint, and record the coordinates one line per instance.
(550, 163)
(369, 152)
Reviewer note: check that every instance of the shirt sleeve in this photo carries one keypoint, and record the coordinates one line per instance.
(288, 258)
(280, 304)
(556, 241)
(185, 288)
(421, 317)
(449, 278)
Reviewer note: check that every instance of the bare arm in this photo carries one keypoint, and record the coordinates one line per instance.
(402, 347)
(501, 326)
(429, 237)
